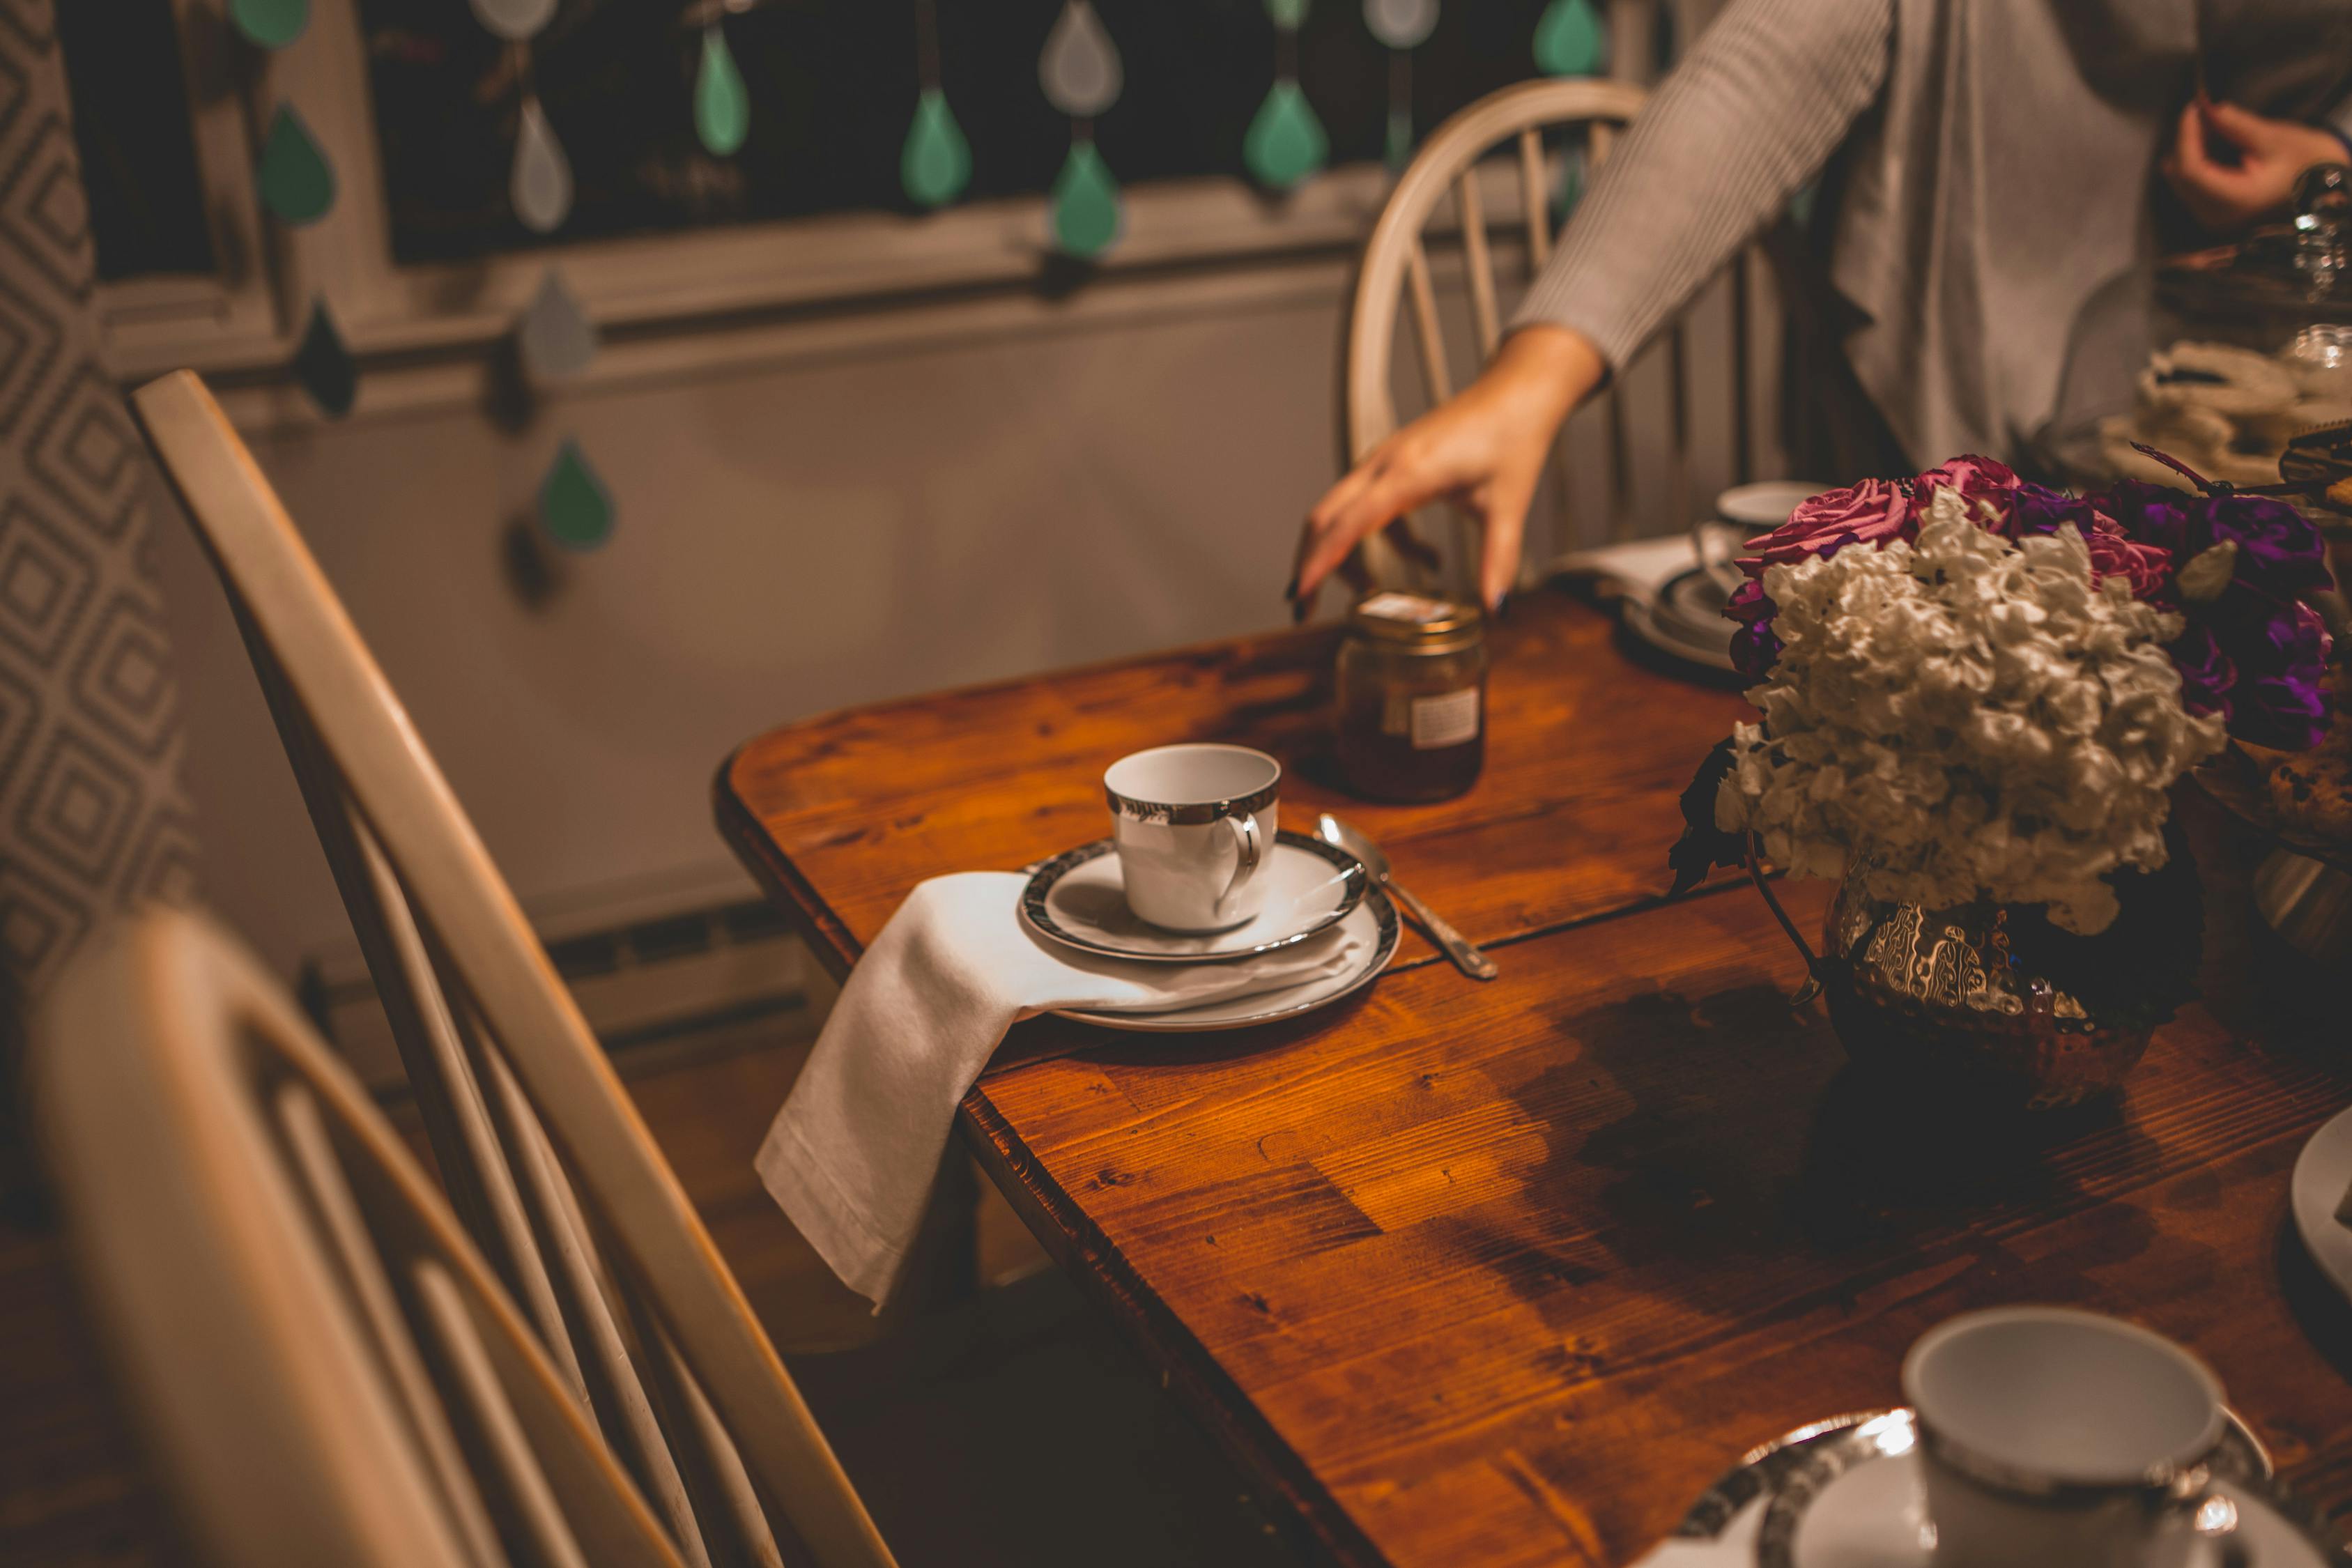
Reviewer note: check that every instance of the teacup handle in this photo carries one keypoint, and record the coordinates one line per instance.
(1251, 845)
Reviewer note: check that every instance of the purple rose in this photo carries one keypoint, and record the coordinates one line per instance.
(2280, 552)
(1755, 647)
(1977, 478)
(2153, 514)
(1868, 513)
(2206, 675)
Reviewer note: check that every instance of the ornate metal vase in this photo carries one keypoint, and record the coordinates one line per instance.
(1938, 995)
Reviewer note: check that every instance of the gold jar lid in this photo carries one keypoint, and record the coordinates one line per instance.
(1415, 624)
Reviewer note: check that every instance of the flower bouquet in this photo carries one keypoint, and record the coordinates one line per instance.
(1975, 695)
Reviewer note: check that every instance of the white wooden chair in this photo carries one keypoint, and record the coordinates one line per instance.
(543, 1157)
(1395, 277)
(324, 1366)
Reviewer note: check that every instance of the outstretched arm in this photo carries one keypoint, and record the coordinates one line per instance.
(1750, 116)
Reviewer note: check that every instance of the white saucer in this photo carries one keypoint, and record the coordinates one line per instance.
(1860, 1502)
(1077, 899)
(1373, 925)
(2322, 1172)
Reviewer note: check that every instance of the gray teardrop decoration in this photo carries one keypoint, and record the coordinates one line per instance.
(1079, 70)
(514, 20)
(542, 186)
(553, 336)
(1401, 24)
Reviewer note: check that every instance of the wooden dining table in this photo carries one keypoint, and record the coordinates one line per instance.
(1506, 1273)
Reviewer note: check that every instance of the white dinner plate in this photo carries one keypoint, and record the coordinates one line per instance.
(1077, 899)
(2322, 1172)
(1373, 925)
(1860, 1502)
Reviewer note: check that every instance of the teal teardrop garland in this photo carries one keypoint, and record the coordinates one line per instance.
(1285, 143)
(323, 366)
(1085, 201)
(935, 163)
(722, 105)
(293, 178)
(574, 507)
(1571, 39)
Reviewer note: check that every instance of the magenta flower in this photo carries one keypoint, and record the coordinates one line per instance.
(1868, 513)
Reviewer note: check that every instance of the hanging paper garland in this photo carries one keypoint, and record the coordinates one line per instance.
(574, 507)
(1570, 40)
(541, 188)
(722, 107)
(1081, 75)
(1570, 191)
(270, 24)
(935, 163)
(1662, 36)
(553, 336)
(324, 367)
(1285, 142)
(293, 177)
(1403, 25)
(514, 20)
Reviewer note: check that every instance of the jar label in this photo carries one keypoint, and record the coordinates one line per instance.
(1446, 720)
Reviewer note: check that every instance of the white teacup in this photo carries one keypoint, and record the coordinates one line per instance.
(2055, 1438)
(1193, 823)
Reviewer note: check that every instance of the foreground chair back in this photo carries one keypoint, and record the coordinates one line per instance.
(1395, 278)
(544, 1156)
(324, 1366)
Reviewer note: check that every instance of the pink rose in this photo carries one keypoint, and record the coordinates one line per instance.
(2147, 567)
(1868, 513)
(1975, 478)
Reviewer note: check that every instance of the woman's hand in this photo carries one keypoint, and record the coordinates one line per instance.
(1484, 448)
(2271, 154)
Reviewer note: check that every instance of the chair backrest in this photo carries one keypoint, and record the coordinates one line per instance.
(325, 1367)
(1396, 277)
(544, 1156)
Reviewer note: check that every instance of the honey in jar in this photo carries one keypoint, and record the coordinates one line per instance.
(1411, 689)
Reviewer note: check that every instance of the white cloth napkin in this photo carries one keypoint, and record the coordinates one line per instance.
(852, 1154)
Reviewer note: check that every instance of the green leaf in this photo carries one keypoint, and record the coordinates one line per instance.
(1703, 845)
(574, 507)
(722, 107)
(293, 176)
(935, 163)
(271, 24)
(1085, 205)
(1285, 142)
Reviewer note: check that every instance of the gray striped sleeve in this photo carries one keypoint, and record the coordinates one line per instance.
(1750, 115)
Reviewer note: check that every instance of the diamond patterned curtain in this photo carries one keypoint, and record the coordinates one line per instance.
(91, 815)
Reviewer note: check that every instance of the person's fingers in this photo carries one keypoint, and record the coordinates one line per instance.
(2188, 154)
(1506, 521)
(1396, 488)
(2239, 127)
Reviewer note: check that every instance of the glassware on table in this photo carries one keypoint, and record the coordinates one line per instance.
(1412, 698)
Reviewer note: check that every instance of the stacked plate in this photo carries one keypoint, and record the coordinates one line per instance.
(1312, 891)
(1685, 619)
(1847, 1492)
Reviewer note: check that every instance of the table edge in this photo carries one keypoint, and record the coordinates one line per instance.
(1161, 1336)
(827, 934)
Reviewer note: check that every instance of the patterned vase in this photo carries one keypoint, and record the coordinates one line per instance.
(1936, 994)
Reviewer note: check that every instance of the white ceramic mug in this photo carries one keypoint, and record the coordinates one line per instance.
(1193, 823)
(2056, 1438)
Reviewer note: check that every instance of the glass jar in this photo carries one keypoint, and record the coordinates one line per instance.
(1411, 710)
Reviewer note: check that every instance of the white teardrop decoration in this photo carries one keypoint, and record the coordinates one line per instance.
(554, 336)
(1079, 70)
(542, 190)
(1401, 24)
(513, 19)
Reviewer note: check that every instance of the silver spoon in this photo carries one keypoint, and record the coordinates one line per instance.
(1459, 947)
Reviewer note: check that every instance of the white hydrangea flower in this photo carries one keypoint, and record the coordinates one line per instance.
(1965, 718)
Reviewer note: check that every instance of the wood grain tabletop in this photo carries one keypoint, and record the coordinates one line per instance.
(1508, 1273)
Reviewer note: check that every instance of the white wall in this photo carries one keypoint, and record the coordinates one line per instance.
(791, 539)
